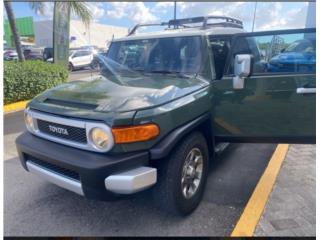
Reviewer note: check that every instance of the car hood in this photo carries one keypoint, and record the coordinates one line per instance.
(107, 95)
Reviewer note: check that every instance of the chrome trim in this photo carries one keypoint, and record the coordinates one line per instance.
(87, 125)
(64, 182)
(90, 126)
(306, 90)
(59, 120)
(131, 181)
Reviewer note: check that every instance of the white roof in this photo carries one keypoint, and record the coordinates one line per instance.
(182, 33)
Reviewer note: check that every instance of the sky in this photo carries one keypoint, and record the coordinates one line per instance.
(269, 15)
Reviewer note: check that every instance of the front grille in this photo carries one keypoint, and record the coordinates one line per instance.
(54, 168)
(70, 133)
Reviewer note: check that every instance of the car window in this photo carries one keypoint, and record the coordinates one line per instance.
(220, 47)
(281, 53)
(77, 54)
(86, 53)
(81, 54)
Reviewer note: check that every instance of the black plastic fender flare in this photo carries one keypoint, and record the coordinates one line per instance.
(164, 147)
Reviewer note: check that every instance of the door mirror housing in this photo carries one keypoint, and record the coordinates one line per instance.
(242, 69)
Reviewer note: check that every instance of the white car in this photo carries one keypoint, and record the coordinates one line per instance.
(79, 59)
(10, 55)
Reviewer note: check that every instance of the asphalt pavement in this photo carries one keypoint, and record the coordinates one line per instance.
(33, 207)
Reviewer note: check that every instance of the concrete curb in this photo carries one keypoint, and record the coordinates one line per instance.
(14, 107)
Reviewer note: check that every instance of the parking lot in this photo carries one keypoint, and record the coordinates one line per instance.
(37, 208)
(33, 207)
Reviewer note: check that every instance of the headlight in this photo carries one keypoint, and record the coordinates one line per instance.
(99, 138)
(29, 121)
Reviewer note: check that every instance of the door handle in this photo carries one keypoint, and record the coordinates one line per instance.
(306, 90)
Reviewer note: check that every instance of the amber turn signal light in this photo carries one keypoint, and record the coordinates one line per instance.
(135, 134)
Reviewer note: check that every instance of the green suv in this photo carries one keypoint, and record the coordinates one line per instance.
(161, 107)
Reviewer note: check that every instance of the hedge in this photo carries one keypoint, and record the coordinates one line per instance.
(25, 80)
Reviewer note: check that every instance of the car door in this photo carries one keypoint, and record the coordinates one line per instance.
(77, 59)
(87, 57)
(267, 92)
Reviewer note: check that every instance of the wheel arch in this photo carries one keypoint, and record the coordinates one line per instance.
(202, 124)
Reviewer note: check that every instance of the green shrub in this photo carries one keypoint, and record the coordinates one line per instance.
(23, 81)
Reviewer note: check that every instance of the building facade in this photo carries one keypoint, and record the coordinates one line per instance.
(40, 33)
(96, 34)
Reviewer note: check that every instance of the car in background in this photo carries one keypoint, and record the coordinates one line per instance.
(79, 59)
(300, 56)
(10, 55)
(47, 53)
(33, 54)
(92, 48)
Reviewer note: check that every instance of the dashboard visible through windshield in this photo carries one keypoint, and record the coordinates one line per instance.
(161, 55)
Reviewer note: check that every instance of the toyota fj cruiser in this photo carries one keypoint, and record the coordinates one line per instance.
(163, 102)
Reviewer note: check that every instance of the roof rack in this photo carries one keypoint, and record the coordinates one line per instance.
(182, 23)
(228, 21)
(134, 29)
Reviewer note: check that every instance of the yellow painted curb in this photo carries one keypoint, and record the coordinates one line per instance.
(252, 212)
(15, 106)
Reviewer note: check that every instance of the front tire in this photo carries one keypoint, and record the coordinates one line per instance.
(70, 67)
(182, 177)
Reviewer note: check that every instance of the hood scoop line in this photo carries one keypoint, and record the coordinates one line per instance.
(71, 104)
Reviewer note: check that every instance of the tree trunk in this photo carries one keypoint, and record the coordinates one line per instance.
(13, 27)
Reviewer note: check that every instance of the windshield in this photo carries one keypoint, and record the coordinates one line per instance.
(71, 52)
(161, 55)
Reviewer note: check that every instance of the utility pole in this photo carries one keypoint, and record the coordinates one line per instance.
(254, 15)
(175, 12)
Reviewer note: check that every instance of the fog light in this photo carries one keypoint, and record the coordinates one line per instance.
(99, 138)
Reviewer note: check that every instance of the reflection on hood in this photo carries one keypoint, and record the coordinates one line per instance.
(127, 95)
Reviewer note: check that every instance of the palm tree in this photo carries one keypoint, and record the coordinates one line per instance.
(79, 9)
(13, 27)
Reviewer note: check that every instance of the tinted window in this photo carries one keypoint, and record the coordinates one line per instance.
(220, 50)
(282, 53)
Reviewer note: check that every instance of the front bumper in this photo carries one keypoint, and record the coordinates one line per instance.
(94, 175)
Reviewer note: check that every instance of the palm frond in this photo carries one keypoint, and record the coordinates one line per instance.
(82, 10)
(38, 7)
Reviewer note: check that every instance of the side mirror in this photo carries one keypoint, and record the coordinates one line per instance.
(242, 68)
